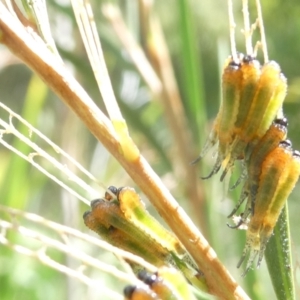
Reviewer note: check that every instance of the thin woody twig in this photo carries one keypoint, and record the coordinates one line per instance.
(247, 28)
(232, 26)
(262, 31)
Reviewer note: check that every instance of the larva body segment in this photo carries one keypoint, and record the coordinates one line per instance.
(107, 220)
(134, 211)
(280, 172)
(274, 105)
(253, 163)
(287, 183)
(223, 129)
(231, 96)
(270, 140)
(251, 71)
(271, 173)
(267, 85)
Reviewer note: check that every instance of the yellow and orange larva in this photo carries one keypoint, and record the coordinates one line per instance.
(287, 183)
(222, 132)
(231, 96)
(122, 219)
(276, 133)
(253, 163)
(114, 225)
(99, 220)
(132, 292)
(266, 87)
(280, 172)
(251, 72)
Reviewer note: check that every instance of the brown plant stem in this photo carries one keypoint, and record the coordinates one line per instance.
(168, 94)
(34, 53)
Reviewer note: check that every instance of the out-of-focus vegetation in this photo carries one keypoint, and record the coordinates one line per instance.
(23, 187)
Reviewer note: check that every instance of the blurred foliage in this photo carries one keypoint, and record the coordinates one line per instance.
(24, 187)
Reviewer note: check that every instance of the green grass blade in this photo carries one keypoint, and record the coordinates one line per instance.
(191, 66)
(279, 260)
(15, 188)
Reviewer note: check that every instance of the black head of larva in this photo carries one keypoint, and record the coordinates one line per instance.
(146, 277)
(296, 154)
(287, 144)
(235, 65)
(248, 59)
(282, 122)
(142, 275)
(86, 214)
(95, 202)
(112, 190)
(129, 290)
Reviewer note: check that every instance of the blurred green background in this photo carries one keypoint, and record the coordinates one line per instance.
(199, 54)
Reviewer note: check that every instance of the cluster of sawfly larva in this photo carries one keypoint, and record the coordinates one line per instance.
(251, 127)
(121, 218)
(247, 129)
